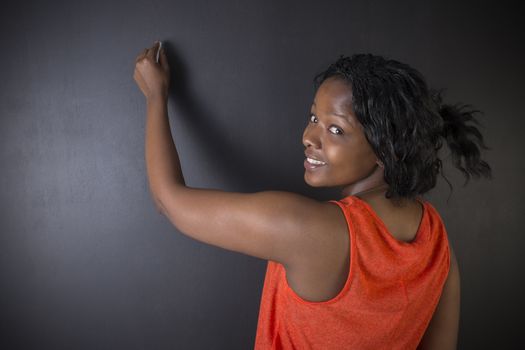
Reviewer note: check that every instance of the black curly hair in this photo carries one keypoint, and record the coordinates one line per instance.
(405, 123)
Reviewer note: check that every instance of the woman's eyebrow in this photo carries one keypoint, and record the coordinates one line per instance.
(342, 116)
(347, 119)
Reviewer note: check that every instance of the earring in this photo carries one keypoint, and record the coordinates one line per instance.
(380, 163)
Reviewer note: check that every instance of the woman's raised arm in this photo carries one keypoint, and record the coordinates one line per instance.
(273, 225)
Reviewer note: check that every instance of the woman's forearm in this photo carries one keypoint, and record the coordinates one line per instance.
(162, 160)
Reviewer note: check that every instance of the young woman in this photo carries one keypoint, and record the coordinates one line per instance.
(372, 270)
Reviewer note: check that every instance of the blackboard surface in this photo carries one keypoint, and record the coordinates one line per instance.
(86, 262)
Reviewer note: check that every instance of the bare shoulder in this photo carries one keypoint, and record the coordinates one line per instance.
(442, 332)
(320, 228)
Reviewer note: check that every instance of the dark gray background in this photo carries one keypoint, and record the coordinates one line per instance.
(86, 262)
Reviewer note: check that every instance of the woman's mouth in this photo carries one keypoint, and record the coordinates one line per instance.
(311, 163)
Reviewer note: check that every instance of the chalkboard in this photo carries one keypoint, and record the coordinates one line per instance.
(87, 262)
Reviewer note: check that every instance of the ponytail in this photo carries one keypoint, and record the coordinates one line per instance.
(463, 139)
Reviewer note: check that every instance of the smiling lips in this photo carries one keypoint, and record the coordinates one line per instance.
(314, 161)
(311, 163)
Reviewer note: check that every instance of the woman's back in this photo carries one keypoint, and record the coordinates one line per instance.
(388, 294)
(323, 275)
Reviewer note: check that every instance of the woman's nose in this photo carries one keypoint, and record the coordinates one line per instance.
(311, 138)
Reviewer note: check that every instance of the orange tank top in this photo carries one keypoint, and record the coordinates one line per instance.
(387, 302)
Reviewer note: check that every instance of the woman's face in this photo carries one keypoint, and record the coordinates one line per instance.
(335, 138)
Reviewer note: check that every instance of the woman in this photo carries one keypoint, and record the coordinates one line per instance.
(373, 269)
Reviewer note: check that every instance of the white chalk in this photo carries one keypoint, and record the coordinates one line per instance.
(158, 51)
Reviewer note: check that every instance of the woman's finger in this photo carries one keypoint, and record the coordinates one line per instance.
(153, 50)
(141, 55)
(163, 60)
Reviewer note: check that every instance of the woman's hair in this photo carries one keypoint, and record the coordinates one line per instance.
(405, 123)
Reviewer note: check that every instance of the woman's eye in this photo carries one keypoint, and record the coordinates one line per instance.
(336, 130)
(333, 129)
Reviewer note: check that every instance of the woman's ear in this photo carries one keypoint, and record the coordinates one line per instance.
(380, 163)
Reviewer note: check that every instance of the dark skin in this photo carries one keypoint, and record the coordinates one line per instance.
(309, 238)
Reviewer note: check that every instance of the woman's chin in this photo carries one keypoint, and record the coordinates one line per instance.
(312, 182)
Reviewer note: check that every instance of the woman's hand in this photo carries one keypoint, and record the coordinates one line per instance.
(152, 78)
